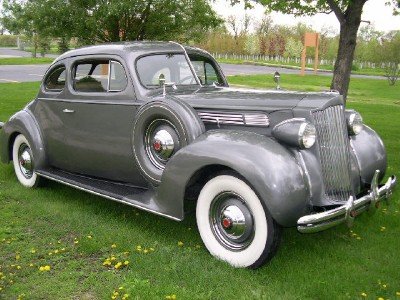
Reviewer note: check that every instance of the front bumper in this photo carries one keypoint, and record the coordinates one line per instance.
(347, 212)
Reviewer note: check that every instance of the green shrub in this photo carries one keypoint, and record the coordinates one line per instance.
(8, 40)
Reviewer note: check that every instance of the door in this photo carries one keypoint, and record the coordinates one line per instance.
(92, 122)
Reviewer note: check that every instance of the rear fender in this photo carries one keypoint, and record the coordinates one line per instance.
(267, 166)
(22, 122)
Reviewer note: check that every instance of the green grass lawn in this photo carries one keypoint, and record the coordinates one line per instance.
(74, 233)
(291, 65)
(26, 61)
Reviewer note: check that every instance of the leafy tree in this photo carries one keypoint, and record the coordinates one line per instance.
(94, 21)
(348, 13)
(391, 46)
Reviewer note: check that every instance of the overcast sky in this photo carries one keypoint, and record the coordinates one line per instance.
(375, 11)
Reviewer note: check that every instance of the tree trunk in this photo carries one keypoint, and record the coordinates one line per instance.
(347, 45)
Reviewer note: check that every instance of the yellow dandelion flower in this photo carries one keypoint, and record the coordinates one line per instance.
(121, 288)
(112, 258)
(31, 265)
(198, 246)
(18, 267)
(383, 228)
(118, 265)
(50, 253)
(47, 268)
(168, 297)
(126, 253)
(363, 295)
(145, 251)
(62, 249)
(115, 293)
(41, 268)
(107, 263)
(384, 286)
(358, 238)
(113, 246)
(56, 251)
(398, 294)
(17, 257)
(126, 262)
(138, 247)
(381, 298)
(151, 249)
(89, 237)
(1, 288)
(180, 244)
(125, 296)
(113, 297)
(76, 242)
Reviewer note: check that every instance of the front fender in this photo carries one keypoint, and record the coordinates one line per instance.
(269, 167)
(371, 154)
(22, 122)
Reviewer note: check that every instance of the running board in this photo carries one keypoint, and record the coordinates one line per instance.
(124, 193)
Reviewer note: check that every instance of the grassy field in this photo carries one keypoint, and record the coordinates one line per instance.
(57, 242)
(25, 61)
(290, 65)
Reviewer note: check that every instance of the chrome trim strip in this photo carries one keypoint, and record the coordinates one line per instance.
(107, 197)
(189, 62)
(346, 213)
(246, 119)
(105, 102)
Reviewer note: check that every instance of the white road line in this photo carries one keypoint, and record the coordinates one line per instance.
(41, 75)
(8, 80)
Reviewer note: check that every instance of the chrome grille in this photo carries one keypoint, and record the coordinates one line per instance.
(333, 144)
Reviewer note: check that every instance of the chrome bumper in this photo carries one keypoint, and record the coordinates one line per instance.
(347, 212)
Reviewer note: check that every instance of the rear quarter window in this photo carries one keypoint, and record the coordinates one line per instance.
(55, 80)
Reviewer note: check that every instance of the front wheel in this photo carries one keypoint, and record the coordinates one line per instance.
(23, 161)
(233, 223)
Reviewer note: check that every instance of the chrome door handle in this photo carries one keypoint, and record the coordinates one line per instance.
(68, 111)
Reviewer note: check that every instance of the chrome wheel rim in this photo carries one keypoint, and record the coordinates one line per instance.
(161, 142)
(25, 161)
(232, 221)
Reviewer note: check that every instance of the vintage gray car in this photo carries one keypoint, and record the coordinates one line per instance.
(154, 125)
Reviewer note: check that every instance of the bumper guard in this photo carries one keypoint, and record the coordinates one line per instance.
(347, 212)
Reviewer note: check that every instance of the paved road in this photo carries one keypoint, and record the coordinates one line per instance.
(35, 72)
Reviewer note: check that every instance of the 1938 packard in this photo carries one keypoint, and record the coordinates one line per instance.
(155, 125)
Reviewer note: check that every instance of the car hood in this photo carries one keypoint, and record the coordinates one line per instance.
(250, 99)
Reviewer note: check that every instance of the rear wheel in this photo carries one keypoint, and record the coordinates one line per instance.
(233, 223)
(23, 161)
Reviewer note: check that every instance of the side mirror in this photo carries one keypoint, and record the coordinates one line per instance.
(277, 79)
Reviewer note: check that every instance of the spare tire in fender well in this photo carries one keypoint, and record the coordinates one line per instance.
(164, 114)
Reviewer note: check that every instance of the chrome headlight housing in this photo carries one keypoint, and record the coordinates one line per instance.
(354, 122)
(307, 135)
(295, 132)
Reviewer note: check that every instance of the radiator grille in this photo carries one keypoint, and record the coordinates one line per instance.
(333, 143)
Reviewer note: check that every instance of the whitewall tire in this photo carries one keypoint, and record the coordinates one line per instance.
(23, 162)
(233, 223)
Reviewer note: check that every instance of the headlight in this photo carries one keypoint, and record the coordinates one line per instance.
(307, 135)
(354, 122)
(295, 132)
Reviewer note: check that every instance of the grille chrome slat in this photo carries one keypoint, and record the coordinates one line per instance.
(246, 119)
(333, 146)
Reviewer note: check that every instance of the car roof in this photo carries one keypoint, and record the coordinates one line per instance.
(122, 48)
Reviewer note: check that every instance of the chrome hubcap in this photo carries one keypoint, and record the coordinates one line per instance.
(231, 221)
(25, 161)
(161, 142)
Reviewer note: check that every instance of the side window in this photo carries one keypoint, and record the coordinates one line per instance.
(99, 76)
(118, 81)
(206, 70)
(55, 81)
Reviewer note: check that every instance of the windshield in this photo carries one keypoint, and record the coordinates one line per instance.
(173, 67)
